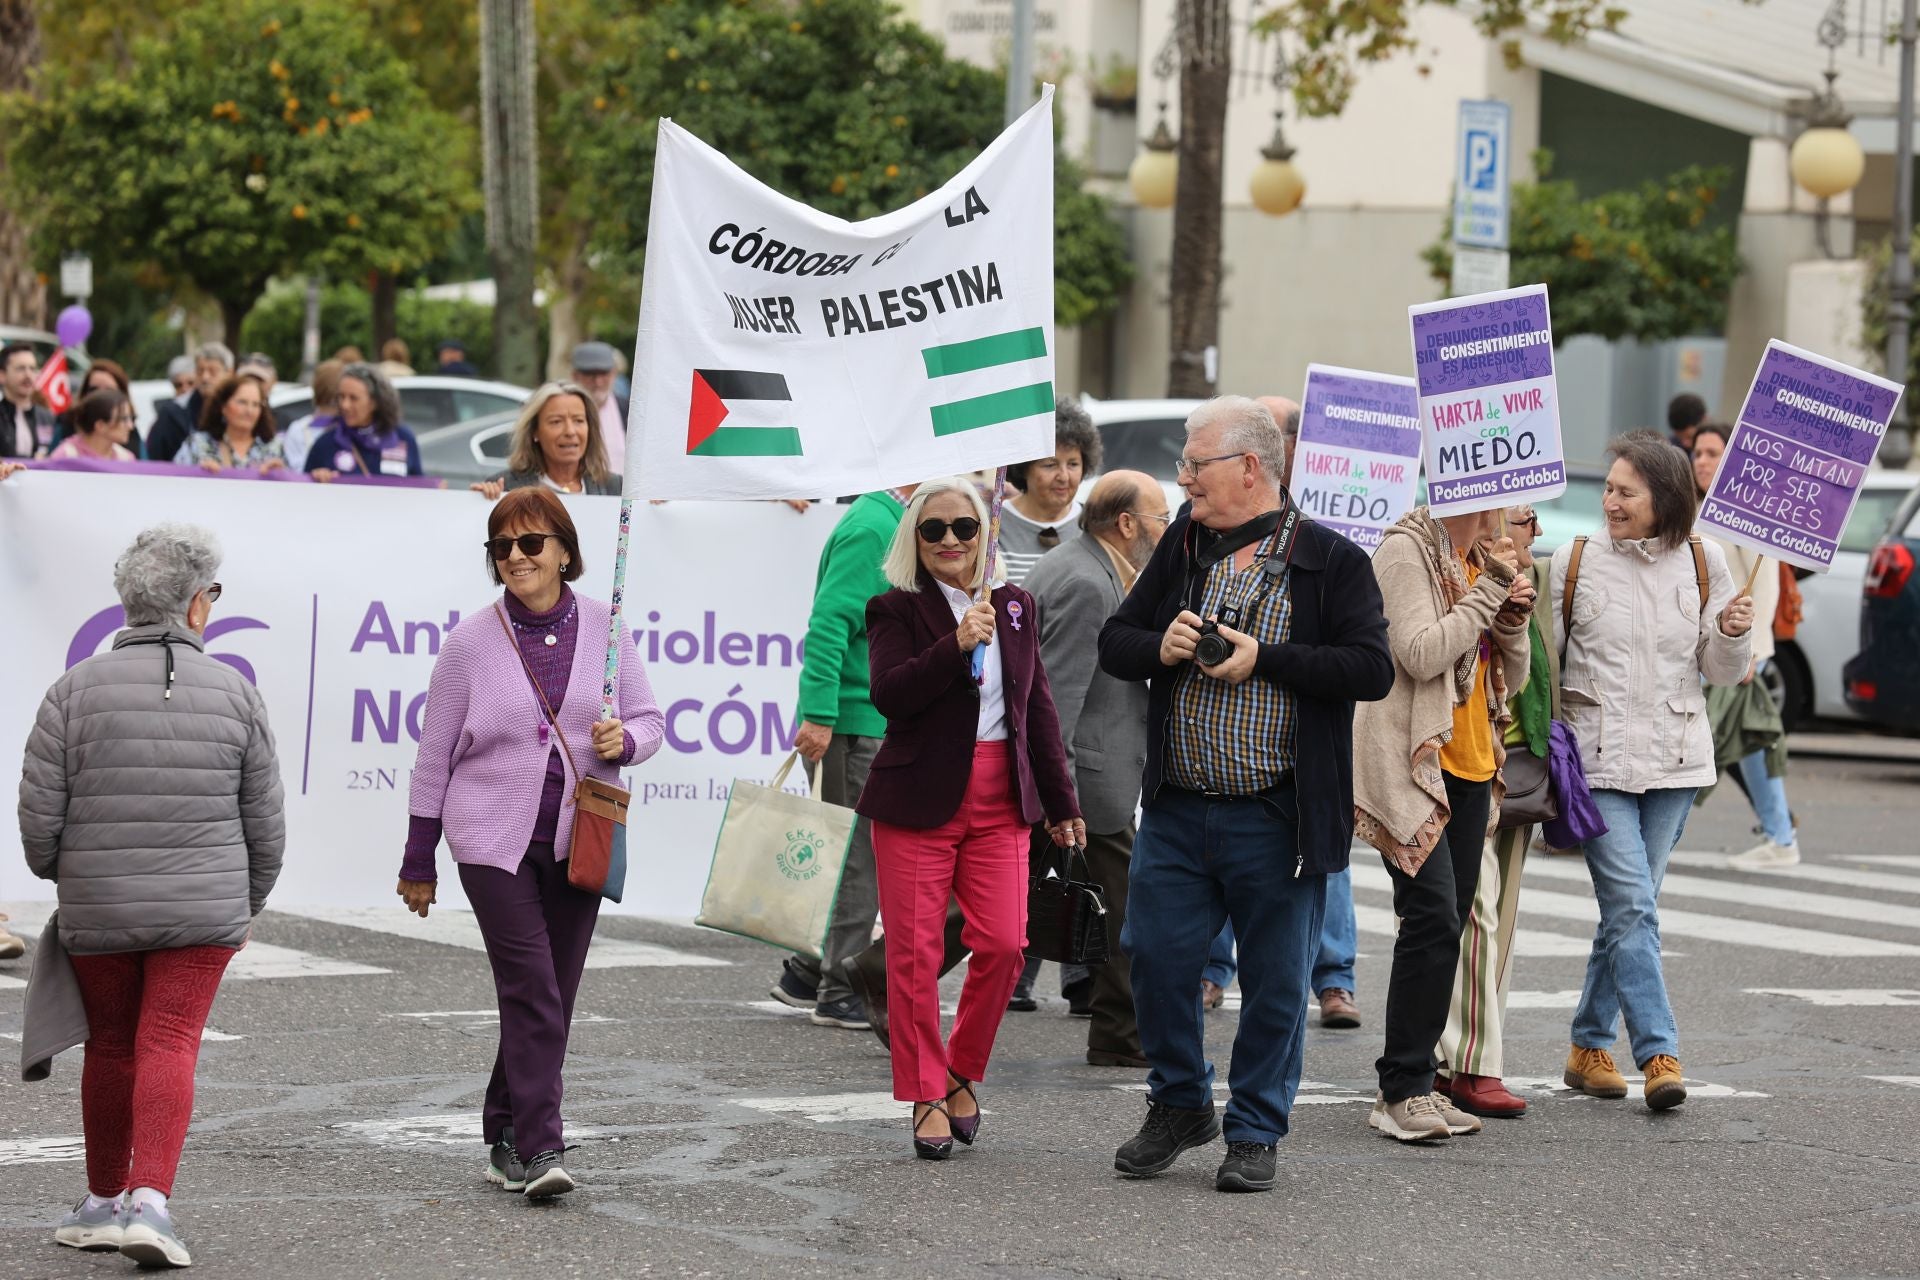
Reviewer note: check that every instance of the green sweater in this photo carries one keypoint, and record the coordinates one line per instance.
(834, 677)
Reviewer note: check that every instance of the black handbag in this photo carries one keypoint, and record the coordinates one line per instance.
(1529, 800)
(1066, 918)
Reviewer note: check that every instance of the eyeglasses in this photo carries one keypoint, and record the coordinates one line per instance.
(1190, 467)
(213, 593)
(1531, 522)
(1150, 515)
(530, 544)
(966, 529)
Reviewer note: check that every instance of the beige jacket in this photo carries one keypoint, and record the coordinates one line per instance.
(1397, 788)
(1766, 592)
(1634, 658)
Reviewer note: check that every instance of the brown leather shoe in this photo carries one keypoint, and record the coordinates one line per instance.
(1482, 1096)
(1591, 1071)
(867, 975)
(1664, 1087)
(1338, 1010)
(1212, 994)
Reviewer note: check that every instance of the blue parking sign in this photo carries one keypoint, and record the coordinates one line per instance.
(1481, 176)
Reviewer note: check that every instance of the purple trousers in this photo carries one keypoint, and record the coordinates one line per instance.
(537, 928)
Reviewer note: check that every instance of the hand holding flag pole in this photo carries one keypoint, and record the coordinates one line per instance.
(993, 550)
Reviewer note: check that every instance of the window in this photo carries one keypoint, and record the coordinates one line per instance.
(1870, 518)
(471, 404)
(495, 443)
(424, 408)
(1151, 445)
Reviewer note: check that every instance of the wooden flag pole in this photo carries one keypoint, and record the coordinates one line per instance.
(993, 551)
(610, 685)
(1753, 576)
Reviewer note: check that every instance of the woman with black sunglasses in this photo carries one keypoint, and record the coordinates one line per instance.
(513, 718)
(969, 764)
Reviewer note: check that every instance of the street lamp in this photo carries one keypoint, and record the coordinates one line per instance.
(1827, 160)
(1277, 186)
(1154, 172)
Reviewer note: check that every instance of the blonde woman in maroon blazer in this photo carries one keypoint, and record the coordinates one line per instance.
(966, 768)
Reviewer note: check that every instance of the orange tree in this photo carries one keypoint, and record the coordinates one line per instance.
(1636, 263)
(257, 138)
(840, 103)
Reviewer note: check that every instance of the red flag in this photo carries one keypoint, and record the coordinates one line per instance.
(53, 383)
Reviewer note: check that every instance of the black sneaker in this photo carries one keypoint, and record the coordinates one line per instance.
(1022, 1000)
(840, 1013)
(1167, 1132)
(546, 1177)
(1079, 998)
(503, 1164)
(792, 989)
(1248, 1167)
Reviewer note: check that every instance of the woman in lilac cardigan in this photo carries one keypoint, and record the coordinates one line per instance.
(495, 780)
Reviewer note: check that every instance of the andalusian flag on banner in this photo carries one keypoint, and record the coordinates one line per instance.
(785, 353)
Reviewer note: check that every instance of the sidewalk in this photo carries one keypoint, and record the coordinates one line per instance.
(1864, 745)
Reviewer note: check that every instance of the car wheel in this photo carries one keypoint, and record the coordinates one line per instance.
(1791, 685)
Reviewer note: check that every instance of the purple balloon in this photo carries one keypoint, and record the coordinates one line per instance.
(73, 326)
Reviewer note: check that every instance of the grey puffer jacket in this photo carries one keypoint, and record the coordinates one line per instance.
(160, 818)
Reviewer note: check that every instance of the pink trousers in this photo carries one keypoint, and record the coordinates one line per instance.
(979, 857)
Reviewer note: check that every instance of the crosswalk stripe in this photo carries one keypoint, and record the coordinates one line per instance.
(1686, 924)
(1910, 1081)
(1863, 909)
(1890, 859)
(433, 1132)
(254, 962)
(1851, 997)
(12, 984)
(1526, 942)
(1848, 877)
(460, 929)
(834, 1108)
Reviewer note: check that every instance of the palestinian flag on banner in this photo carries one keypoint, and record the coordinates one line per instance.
(987, 381)
(755, 407)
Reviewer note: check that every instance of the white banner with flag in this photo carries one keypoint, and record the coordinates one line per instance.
(787, 353)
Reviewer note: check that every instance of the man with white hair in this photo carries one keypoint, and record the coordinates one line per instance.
(175, 420)
(1256, 631)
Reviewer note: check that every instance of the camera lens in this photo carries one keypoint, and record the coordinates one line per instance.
(1212, 649)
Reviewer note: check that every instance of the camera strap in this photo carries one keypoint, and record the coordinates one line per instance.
(1273, 568)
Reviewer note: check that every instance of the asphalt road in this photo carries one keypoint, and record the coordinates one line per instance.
(337, 1128)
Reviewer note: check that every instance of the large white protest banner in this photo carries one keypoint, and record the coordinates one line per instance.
(336, 601)
(784, 352)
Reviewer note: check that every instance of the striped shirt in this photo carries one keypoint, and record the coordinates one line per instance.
(1023, 540)
(1227, 738)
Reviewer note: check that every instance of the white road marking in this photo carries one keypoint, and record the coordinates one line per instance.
(1635, 1088)
(1542, 999)
(435, 1131)
(785, 1010)
(1311, 1093)
(264, 960)
(12, 984)
(486, 1017)
(833, 1108)
(1890, 859)
(1526, 942)
(1910, 1081)
(207, 1036)
(1818, 873)
(459, 929)
(1858, 907)
(42, 1150)
(1852, 997)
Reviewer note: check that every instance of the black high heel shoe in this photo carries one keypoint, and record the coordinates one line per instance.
(932, 1148)
(964, 1127)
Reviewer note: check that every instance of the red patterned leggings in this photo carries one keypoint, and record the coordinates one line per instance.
(145, 1010)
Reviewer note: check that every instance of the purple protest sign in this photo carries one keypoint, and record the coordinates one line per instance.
(1357, 462)
(1798, 456)
(1488, 400)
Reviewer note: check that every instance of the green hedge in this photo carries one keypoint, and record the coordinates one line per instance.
(346, 318)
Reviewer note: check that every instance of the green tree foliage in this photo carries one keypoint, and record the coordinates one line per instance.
(346, 318)
(1873, 318)
(1091, 265)
(841, 103)
(260, 138)
(1328, 40)
(1638, 263)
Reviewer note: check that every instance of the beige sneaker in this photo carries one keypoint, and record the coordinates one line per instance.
(1591, 1071)
(1414, 1120)
(1767, 856)
(12, 947)
(1458, 1122)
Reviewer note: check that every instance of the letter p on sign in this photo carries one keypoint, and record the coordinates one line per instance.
(1482, 161)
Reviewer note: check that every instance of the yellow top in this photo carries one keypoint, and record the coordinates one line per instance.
(1469, 756)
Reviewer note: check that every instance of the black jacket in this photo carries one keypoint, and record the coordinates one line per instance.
(173, 425)
(39, 423)
(1337, 656)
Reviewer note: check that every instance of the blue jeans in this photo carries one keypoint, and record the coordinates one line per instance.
(1199, 862)
(1769, 796)
(1623, 972)
(1339, 942)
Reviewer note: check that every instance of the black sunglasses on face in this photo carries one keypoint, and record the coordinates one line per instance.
(966, 529)
(530, 544)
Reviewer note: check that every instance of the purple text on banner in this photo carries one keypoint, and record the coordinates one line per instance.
(1463, 348)
(1798, 457)
(279, 474)
(1346, 412)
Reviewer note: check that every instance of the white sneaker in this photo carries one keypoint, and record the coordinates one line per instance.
(1458, 1122)
(1767, 856)
(150, 1239)
(1414, 1120)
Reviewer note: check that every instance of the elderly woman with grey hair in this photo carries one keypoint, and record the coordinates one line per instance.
(151, 797)
(368, 439)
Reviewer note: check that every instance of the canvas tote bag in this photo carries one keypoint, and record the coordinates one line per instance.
(777, 864)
